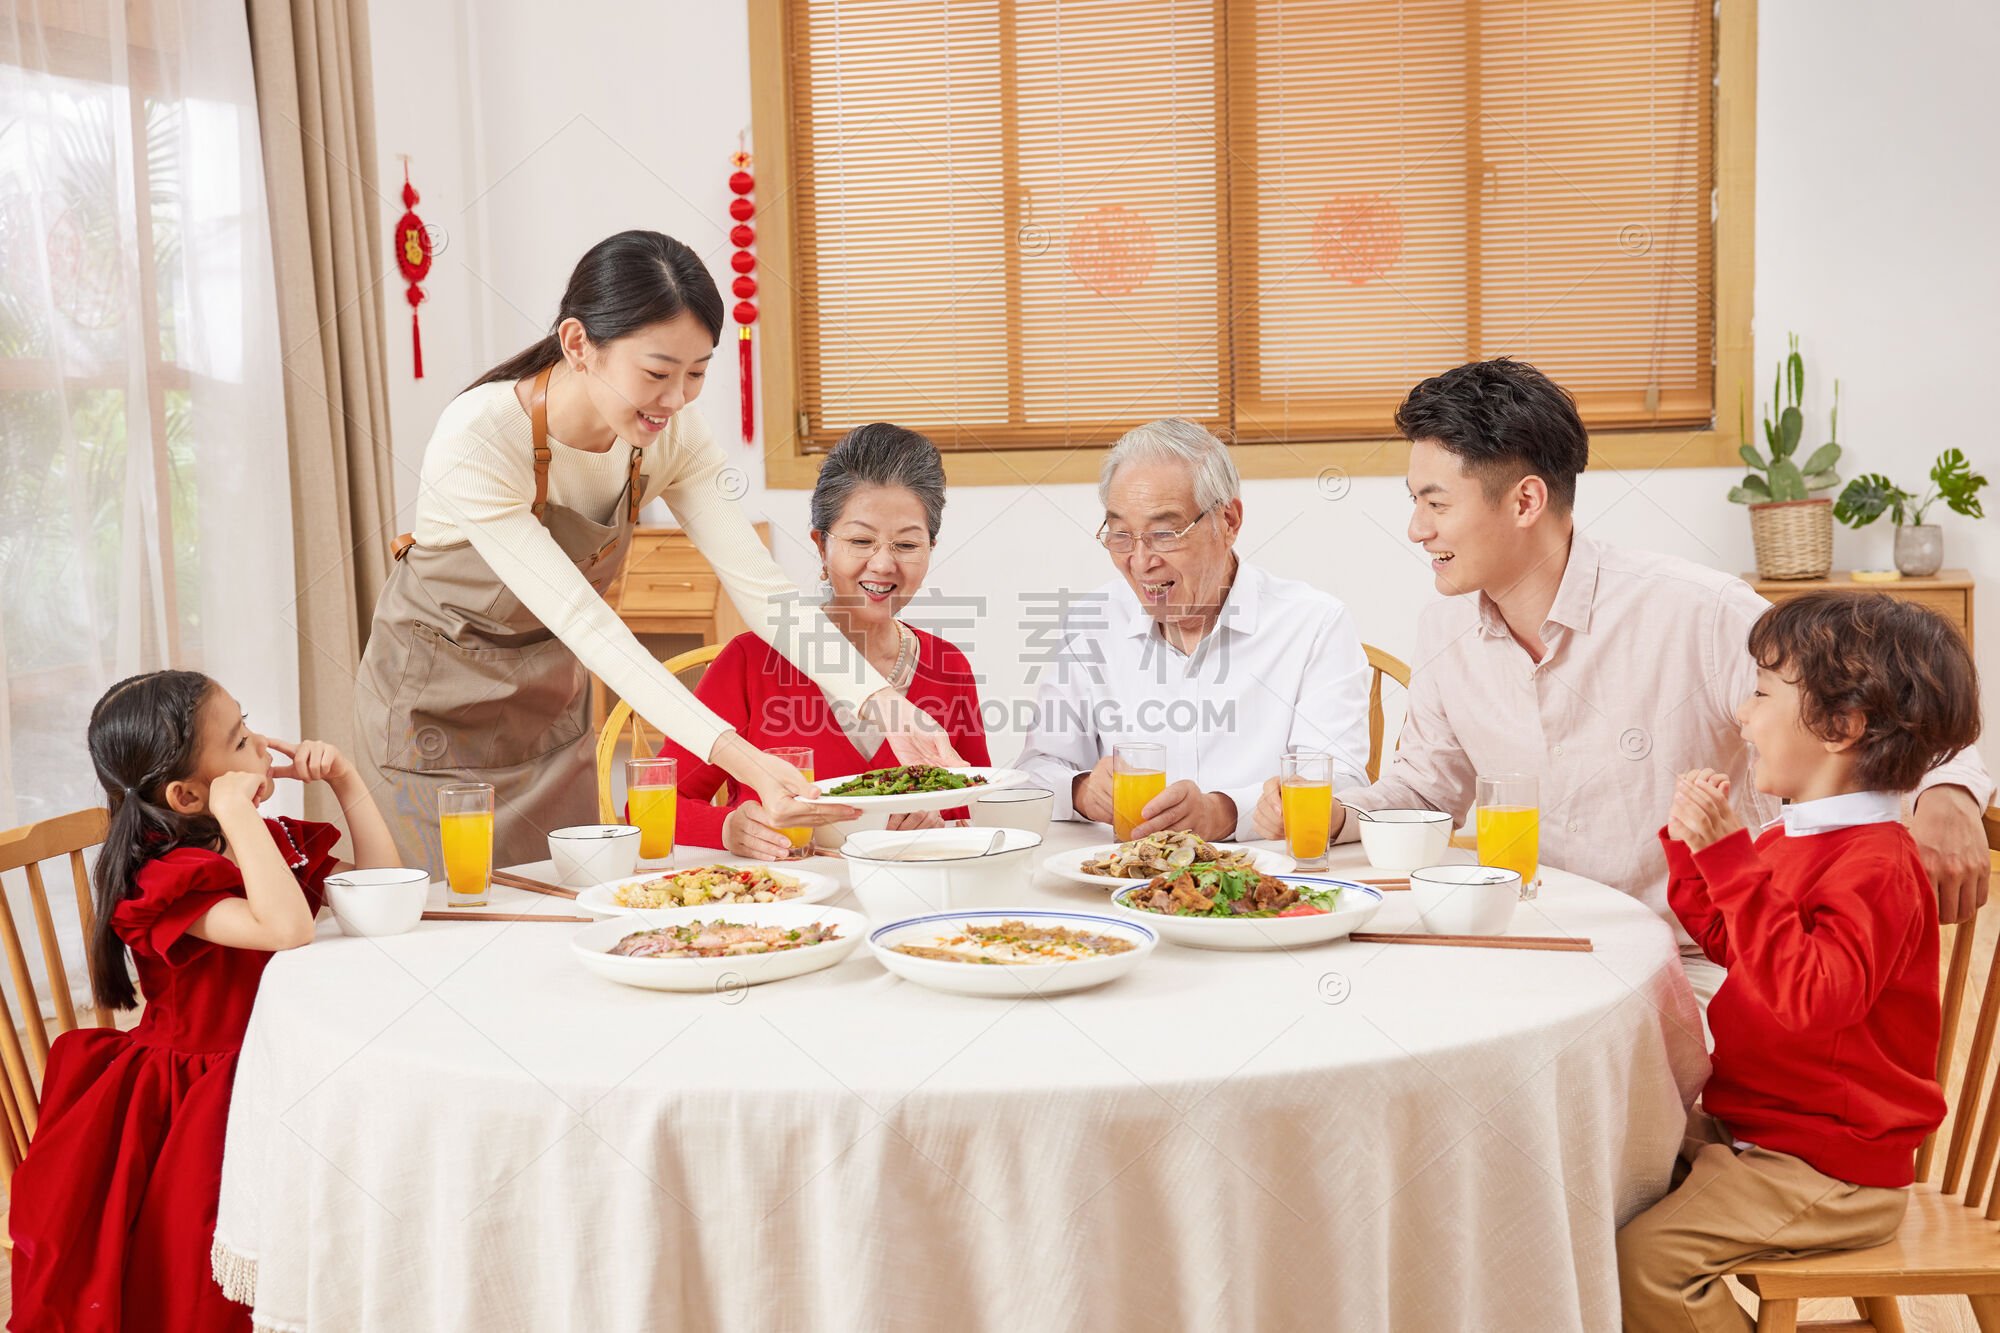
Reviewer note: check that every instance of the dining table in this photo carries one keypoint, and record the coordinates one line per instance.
(461, 1127)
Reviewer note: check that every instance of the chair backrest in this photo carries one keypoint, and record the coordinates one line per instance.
(687, 668)
(1972, 1153)
(1380, 664)
(24, 849)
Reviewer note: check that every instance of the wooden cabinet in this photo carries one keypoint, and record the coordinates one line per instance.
(669, 590)
(1949, 591)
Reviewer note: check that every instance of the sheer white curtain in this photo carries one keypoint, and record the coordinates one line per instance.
(145, 513)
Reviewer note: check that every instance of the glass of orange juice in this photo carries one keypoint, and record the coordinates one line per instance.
(651, 789)
(1305, 788)
(801, 758)
(1138, 774)
(465, 827)
(1509, 825)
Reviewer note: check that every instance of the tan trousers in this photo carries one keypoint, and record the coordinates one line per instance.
(1727, 1207)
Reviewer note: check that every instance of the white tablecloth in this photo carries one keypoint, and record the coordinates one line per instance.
(461, 1128)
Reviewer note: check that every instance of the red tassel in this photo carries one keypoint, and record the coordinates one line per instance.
(416, 343)
(743, 384)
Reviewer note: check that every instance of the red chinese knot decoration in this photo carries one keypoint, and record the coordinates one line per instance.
(413, 258)
(1356, 237)
(1111, 251)
(743, 236)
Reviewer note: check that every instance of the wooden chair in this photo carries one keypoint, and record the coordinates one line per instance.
(687, 668)
(1949, 1245)
(1380, 664)
(25, 848)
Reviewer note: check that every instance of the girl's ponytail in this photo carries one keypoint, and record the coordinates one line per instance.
(144, 734)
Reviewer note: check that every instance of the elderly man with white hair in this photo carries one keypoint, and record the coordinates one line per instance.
(1221, 662)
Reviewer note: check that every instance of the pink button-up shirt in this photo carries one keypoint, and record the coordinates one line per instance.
(1647, 657)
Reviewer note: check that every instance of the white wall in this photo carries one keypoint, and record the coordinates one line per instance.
(1876, 184)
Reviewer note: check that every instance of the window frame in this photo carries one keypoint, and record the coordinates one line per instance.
(790, 465)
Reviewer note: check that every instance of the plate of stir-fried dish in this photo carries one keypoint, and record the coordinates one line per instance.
(718, 947)
(1207, 907)
(1117, 863)
(700, 886)
(1009, 953)
(913, 787)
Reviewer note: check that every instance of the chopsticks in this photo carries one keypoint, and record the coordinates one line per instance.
(457, 914)
(514, 881)
(1550, 943)
(1386, 885)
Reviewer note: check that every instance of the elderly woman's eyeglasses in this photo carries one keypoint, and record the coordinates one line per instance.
(1161, 542)
(903, 552)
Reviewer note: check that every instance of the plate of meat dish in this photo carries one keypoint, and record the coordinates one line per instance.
(719, 946)
(1212, 907)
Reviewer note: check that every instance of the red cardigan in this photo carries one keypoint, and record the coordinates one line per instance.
(771, 703)
(1826, 1029)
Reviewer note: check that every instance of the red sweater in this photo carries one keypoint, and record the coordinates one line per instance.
(772, 703)
(1826, 1029)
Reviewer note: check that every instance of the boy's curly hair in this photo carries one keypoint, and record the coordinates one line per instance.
(1900, 669)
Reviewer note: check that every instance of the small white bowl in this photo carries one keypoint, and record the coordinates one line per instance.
(1403, 840)
(963, 877)
(1465, 900)
(587, 854)
(1026, 808)
(384, 901)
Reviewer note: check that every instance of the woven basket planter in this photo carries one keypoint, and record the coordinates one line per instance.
(1794, 538)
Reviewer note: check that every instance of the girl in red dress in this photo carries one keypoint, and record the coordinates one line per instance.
(876, 510)
(113, 1211)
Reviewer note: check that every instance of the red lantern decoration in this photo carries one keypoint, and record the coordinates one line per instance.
(413, 259)
(743, 236)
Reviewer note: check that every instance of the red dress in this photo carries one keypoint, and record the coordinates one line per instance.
(771, 703)
(114, 1206)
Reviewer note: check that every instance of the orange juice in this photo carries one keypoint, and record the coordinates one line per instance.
(1129, 794)
(653, 810)
(1308, 810)
(800, 838)
(1510, 837)
(468, 851)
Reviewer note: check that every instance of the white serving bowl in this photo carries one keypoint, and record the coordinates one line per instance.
(1357, 906)
(1465, 900)
(385, 901)
(1403, 840)
(1027, 808)
(592, 945)
(587, 854)
(1012, 980)
(964, 878)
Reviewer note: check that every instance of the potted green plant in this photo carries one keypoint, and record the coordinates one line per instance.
(1791, 523)
(1919, 545)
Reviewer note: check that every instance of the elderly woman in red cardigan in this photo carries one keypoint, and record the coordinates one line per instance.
(875, 514)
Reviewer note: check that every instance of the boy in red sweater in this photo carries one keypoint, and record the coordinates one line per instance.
(1826, 1029)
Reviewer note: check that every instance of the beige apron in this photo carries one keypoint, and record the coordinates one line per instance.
(462, 683)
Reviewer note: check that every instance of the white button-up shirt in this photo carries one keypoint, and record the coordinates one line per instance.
(1282, 667)
(1831, 813)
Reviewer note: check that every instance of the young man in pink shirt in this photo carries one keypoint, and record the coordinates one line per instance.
(1605, 672)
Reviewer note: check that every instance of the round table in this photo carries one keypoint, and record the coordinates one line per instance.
(460, 1127)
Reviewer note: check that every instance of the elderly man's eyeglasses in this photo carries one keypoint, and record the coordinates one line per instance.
(1160, 543)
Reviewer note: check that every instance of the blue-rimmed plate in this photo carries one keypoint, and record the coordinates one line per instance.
(1009, 980)
(1352, 909)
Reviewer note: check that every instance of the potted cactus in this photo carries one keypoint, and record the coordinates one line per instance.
(1919, 545)
(1791, 522)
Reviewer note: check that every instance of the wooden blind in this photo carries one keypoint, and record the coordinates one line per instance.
(1026, 224)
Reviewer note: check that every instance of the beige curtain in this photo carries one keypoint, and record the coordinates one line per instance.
(317, 118)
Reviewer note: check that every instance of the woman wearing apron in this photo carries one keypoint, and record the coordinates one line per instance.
(478, 662)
